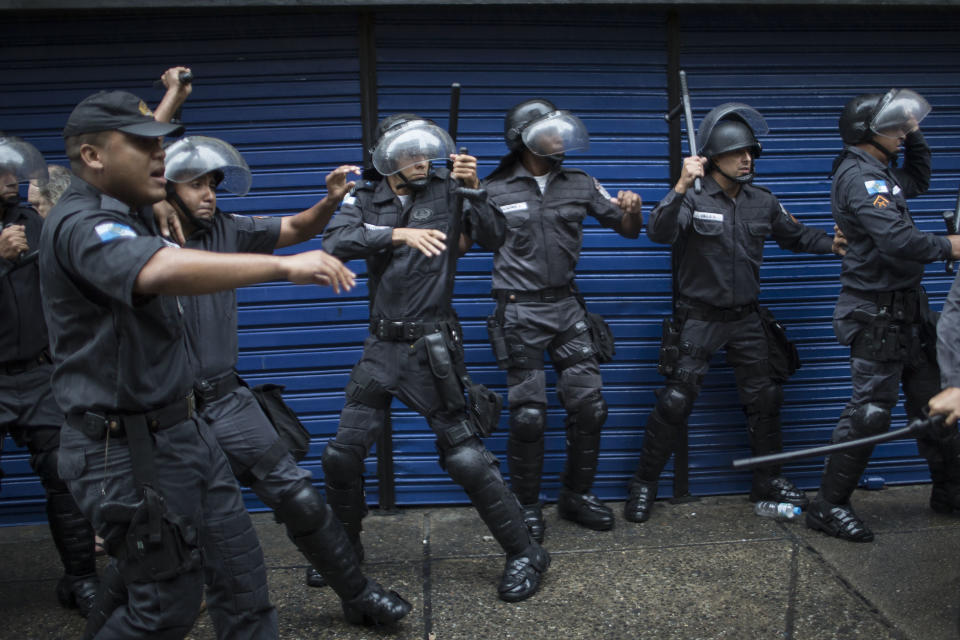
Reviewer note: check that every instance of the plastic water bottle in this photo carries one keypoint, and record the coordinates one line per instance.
(777, 510)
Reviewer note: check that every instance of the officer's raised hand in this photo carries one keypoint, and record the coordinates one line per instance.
(318, 267)
(693, 168)
(171, 80)
(465, 168)
(13, 241)
(337, 185)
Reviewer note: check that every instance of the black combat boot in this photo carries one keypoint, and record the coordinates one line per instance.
(575, 502)
(523, 572)
(831, 511)
(584, 509)
(640, 502)
(778, 489)
(374, 606)
(839, 521)
(321, 539)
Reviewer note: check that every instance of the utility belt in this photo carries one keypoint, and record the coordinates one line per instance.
(96, 426)
(208, 390)
(550, 294)
(406, 331)
(908, 306)
(16, 367)
(509, 350)
(702, 311)
(783, 359)
(902, 330)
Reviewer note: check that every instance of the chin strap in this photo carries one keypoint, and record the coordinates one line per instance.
(891, 155)
(200, 223)
(747, 179)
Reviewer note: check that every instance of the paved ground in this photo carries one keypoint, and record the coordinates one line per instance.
(706, 569)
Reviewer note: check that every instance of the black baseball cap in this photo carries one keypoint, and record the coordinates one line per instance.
(117, 111)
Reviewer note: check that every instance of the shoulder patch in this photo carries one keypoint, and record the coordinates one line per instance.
(110, 231)
(599, 187)
(876, 186)
(349, 198)
(880, 202)
(787, 214)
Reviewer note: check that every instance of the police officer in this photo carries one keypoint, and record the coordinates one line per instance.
(404, 220)
(28, 410)
(947, 402)
(539, 308)
(196, 166)
(882, 310)
(719, 236)
(143, 467)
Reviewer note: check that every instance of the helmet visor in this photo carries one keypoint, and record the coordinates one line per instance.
(195, 156)
(901, 111)
(409, 144)
(22, 159)
(556, 133)
(727, 110)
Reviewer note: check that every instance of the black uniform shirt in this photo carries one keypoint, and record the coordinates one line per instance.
(720, 241)
(210, 320)
(545, 231)
(885, 250)
(404, 283)
(113, 350)
(23, 332)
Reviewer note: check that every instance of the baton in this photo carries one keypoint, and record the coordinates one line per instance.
(688, 117)
(916, 427)
(453, 120)
(952, 220)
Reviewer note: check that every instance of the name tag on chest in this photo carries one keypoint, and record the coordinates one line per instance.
(516, 206)
(708, 215)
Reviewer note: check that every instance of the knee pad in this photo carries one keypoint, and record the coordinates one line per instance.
(303, 510)
(675, 403)
(469, 464)
(869, 419)
(527, 422)
(341, 462)
(590, 415)
(768, 401)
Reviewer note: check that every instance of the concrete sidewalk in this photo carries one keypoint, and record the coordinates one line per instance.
(705, 569)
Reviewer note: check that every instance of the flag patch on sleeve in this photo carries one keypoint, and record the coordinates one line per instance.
(876, 186)
(110, 231)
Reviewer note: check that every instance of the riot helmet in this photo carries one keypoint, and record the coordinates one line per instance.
(22, 160)
(193, 157)
(892, 115)
(730, 127)
(520, 116)
(405, 140)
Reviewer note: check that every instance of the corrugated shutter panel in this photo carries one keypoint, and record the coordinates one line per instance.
(607, 66)
(799, 68)
(284, 89)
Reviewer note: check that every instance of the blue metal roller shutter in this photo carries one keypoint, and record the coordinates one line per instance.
(607, 66)
(284, 89)
(799, 68)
